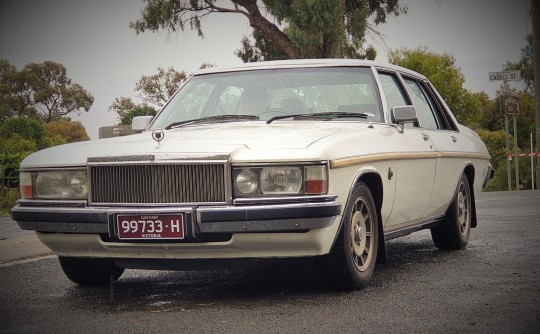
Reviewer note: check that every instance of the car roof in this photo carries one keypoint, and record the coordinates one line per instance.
(305, 63)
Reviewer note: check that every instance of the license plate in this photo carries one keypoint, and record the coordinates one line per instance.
(150, 226)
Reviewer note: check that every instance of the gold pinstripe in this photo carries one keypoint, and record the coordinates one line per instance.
(358, 160)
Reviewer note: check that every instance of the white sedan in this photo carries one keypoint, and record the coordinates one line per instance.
(308, 158)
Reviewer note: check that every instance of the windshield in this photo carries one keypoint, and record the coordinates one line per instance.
(265, 94)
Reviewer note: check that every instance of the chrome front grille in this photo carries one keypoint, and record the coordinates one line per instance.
(157, 183)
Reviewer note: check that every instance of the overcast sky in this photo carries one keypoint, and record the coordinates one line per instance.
(92, 39)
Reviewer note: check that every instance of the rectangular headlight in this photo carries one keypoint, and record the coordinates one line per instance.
(271, 181)
(54, 185)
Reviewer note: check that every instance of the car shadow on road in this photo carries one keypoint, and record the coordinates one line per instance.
(266, 282)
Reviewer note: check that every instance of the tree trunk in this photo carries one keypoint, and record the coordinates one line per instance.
(270, 30)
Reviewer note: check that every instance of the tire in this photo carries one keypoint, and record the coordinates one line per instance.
(351, 263)
(90, 271)
(453, 233)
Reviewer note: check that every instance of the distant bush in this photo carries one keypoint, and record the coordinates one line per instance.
(8, 199)
(500, 179)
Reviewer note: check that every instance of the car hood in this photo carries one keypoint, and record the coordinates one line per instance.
(223, 138)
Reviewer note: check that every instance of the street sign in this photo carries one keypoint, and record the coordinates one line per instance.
(511, 104)
(505, 76)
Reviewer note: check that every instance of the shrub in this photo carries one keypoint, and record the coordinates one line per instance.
(8, 199)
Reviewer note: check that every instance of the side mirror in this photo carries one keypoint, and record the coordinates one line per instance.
(403, 115)
(140, 123)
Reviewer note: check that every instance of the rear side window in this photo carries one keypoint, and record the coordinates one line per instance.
(424, 110)
(442, 118)
(392, 91)
(429, 111)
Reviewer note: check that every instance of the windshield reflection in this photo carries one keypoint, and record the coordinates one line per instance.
(267, 94)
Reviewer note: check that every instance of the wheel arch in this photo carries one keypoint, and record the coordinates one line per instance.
(373, 181)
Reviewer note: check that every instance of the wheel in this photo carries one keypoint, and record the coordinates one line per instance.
(90, 271)
(352, 261)
(453, 233)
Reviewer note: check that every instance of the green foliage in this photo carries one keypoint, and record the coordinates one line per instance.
(526, 119)
(23, 128)
(8, 199)
(447, 78)
(525, 65)
(496, 145)
(42, 91)
(141, 110)
(261, 49)
(158, 88)
(304, 28)
(492, 115)
(64, 130)
(155, 90)
(500, 179)
(21, 136)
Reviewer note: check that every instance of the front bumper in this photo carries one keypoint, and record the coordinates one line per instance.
(274, 216)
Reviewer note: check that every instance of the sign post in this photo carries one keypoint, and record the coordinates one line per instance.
(508, 155)
(510, 105)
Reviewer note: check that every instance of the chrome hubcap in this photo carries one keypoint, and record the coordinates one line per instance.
(463, 203)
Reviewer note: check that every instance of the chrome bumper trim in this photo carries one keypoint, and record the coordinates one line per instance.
(292, 217)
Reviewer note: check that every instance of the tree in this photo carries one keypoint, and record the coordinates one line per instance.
(69, 131)
(303, 28)
(139, 110)
(441, 70)
(19, 137)
(525, 65)
(158, 88)
(492, 115)
(526, 119)
(42, 91)
(15, 92)
(54, 94)
(155, 90)
(23, 128)
(127, 109)
(6, 72)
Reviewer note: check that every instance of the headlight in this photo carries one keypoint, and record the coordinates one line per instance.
(280, 180)
(54, 185)
(246, 181)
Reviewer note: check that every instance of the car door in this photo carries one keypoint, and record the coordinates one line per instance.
(416, 161)
(446, 140)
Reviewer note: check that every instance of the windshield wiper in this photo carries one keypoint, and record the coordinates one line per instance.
(323, 115)
(213, 118)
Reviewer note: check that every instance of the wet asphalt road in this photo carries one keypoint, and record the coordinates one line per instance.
(491, 287)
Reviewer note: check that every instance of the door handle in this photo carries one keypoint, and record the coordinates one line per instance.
(454, 139)
(425, 136)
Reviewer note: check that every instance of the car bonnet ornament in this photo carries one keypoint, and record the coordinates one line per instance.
(158, 136)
